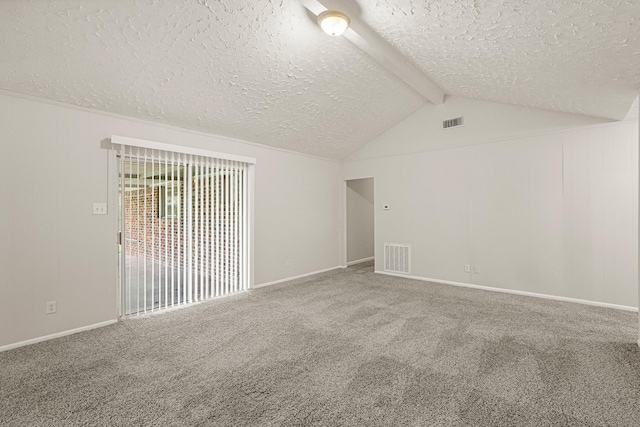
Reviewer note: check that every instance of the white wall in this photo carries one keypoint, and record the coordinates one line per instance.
(360, 209)
(52, 248)
(484, 122)
(552, 213)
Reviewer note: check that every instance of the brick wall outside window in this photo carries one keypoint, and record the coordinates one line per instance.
(170, 232)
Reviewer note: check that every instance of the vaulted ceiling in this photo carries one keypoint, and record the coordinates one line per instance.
(262, 70)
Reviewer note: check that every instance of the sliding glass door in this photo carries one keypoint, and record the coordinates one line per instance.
(183, 225)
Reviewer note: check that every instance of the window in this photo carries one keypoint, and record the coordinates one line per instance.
(169, 200)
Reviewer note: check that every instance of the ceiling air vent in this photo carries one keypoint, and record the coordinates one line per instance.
(458, 121)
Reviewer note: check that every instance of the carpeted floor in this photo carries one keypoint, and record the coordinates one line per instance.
(347, 347)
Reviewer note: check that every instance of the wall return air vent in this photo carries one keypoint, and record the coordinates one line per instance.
(458, 121)
(397, 258)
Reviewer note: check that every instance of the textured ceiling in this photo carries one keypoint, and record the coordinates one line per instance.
(634, 111)
(575, 56)
(262, 71)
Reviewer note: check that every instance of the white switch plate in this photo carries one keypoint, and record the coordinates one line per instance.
(476, 269)
(467, 268)
(386, 207)
(99, 208)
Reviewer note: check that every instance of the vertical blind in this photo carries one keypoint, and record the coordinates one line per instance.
(183, 228)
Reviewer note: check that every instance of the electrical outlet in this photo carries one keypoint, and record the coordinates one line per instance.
(476, 269)
(51, 307)
(467, 268)
(287, 263)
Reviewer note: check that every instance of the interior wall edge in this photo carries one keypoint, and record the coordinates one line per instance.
(514, 292)
(57, 335)
(514, 137)
(158, 124)
(360, 261)
(638, 217)
(300, 276)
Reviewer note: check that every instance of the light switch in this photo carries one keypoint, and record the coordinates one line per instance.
(386, 207)
(99, 208)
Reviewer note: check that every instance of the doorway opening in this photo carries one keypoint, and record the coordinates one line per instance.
(360, 221)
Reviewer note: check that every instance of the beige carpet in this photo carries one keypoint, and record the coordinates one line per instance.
(342, 348)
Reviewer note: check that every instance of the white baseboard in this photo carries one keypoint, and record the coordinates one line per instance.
(57, 335)
(512, 291)
(360, 261)
(275, 282)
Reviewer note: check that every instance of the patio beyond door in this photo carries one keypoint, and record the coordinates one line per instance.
(183, 225)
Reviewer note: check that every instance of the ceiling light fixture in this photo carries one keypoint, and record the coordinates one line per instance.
(333, 23)
(360, 34)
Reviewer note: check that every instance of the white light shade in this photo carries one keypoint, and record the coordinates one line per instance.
(333, 23)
